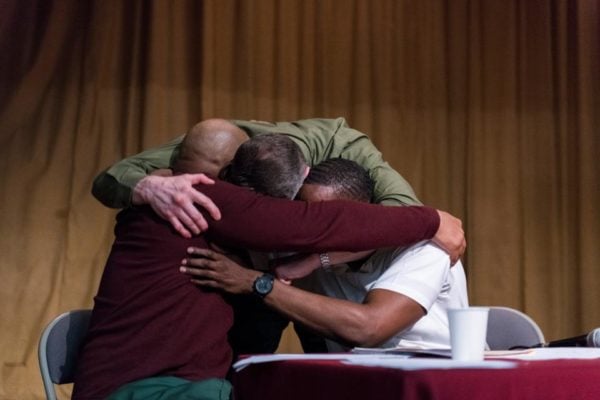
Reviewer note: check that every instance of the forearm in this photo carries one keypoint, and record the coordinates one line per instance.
(256, 222)
(336, 319)
(342, 257)
(339, 320)
(114, 186)
(301, 265)
(382, 315)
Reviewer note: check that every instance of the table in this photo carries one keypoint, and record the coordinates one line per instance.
(331, 380)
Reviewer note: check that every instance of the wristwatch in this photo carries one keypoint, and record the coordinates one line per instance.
(325, 261)
(263, 285)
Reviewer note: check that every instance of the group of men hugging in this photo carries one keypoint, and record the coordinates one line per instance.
(238, 227)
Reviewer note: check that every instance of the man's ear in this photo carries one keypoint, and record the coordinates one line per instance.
(225, 172)
(306, 171)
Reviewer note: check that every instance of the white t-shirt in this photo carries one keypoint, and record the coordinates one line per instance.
(421, 272)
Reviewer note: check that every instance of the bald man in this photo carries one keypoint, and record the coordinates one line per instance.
(209, 146)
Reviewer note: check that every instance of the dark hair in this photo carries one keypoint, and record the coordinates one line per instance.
(271, 164)
(348, 179)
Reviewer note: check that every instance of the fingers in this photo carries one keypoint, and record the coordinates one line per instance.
(463, 247)
(450, 236)
(280, 274)
(207, 204)
(205, 283)
(197, 251)
(203, 263)
(456, 255)
(454, 259)
(284, 273)
(217, 248)
(287, 275)
(187, 213)
(184, 209)
(198, 273)
(201, 199)
(173, 199)
(201, 277)
(199, 178)
(179, 227)
(180, 221)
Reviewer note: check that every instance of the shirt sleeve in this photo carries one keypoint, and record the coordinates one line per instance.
(263, 223)
(114, 186)
(321, 139)
(390, 187)
(418, 272)
(318, 139)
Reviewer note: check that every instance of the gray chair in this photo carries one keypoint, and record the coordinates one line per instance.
(59, 347)
(509, 328)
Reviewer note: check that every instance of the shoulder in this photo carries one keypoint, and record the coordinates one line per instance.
(423, 262)
(418, 272)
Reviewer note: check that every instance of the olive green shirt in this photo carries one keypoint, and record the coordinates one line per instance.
(319, 140)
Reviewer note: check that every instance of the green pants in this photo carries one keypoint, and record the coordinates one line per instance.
(172, 388)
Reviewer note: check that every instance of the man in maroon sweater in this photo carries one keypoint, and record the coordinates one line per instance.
(150, 321)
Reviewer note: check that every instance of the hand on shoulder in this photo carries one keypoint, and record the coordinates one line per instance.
(450, 236)
(173, 198)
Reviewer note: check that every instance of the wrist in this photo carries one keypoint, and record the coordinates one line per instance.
(263, 285)
(251, 277)
(137, 194)
(143, 189)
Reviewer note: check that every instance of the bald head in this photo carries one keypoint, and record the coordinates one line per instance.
(208, 147)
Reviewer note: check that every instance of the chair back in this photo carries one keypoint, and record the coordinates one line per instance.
(508, 328)
(59, 348)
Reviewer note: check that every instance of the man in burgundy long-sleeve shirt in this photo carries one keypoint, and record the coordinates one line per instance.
(149, 320)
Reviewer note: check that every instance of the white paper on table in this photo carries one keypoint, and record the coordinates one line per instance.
(412, 364)
(377, 360)
(434, 352)
(406, 351)
(241, 364)
(555, 353)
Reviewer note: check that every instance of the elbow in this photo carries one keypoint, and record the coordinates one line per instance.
(372, 337)
(107, 191)
(97, 191)
(365, 331)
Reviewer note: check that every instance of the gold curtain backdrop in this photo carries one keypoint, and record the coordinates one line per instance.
(489, 108)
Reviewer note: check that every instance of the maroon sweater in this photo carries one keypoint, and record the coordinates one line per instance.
(149, 320)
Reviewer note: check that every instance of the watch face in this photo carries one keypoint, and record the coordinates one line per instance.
(263, 285)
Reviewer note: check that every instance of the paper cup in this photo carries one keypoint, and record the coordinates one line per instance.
(468, 329)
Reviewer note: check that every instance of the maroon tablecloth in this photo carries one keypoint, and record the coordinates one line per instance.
(313, 380)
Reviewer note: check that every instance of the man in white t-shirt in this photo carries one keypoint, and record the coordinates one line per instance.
(383, 298)
(421, 272)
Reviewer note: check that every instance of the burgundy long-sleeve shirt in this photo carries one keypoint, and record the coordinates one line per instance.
(150, 320)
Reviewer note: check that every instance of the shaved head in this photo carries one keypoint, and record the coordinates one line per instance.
(208, 147)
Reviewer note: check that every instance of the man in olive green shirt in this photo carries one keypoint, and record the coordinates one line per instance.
(127, 182)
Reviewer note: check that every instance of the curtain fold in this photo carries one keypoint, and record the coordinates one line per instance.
(490, 110)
